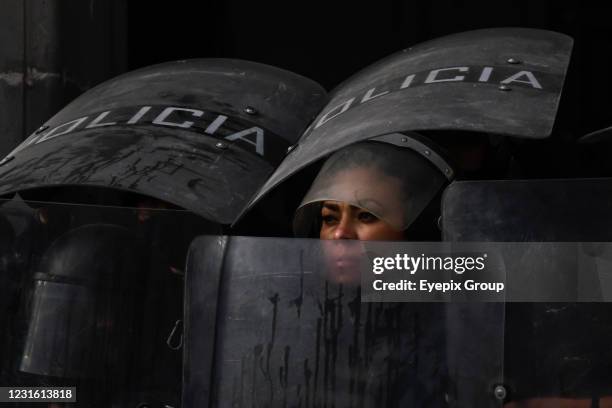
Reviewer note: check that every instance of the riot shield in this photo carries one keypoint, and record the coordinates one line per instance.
(292, 329)
(200, 134)
(91, 299)
(556, 353)
(504, 81)
(592, 152)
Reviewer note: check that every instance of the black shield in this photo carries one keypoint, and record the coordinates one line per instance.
(269, 324)
(201, 134)
(505, 81)
(551, 350)
(92, 297)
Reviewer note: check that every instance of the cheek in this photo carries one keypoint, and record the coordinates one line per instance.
(326, 232)
(379, 231)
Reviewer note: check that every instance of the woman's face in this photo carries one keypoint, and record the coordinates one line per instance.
(341, 220)
(349, 224)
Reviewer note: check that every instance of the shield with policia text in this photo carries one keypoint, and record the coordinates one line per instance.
(200, 134)
(92, 289)
(503, 81)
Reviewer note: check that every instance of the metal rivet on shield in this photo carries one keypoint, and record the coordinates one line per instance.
(41, 129)
(220, 145)
(448, 172)
(291, 148)
(404, 139)
(500, 392)
(504, 88)
(513, 61)
(250, 110)
(6, 160)
(427, 152)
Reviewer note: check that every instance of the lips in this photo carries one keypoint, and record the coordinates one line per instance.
(346, 262)
(343, 258)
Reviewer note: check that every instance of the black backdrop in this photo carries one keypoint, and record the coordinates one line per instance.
(328, 42)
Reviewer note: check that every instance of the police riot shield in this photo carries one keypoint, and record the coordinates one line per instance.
(294, 327)
(504, 81)
(91, 303)
(556, 353)
(200, 134)
(592, 151)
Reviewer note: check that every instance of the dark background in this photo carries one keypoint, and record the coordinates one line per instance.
(329, 42)
(53, 50)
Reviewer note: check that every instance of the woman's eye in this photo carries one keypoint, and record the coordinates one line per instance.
(367, 217)
(329, 219)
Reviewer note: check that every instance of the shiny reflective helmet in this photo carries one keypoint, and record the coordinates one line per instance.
(393, 183)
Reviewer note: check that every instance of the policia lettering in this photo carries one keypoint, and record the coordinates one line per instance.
(249, 137)
(538, 81)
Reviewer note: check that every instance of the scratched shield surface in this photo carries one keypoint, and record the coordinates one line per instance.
(504, 81)
(201, 134)
(289, 331)
(176, 166)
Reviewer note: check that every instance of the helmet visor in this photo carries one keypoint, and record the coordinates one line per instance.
(393, 183)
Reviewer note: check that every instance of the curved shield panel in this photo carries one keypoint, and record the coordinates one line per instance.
(504, 81)
(201, 134)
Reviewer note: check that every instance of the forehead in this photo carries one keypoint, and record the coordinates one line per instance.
(364, 183)
(364, 188)
(342, 207)
(362, 177)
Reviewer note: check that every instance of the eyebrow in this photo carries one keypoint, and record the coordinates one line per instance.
(332, 207)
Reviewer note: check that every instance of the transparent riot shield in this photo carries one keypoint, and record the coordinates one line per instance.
(92, 298)
(292, 329)
(557, 352)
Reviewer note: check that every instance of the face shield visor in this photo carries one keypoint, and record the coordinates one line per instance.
(393, 183)
(92, 297)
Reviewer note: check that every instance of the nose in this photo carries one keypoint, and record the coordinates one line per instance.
(345, 229)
